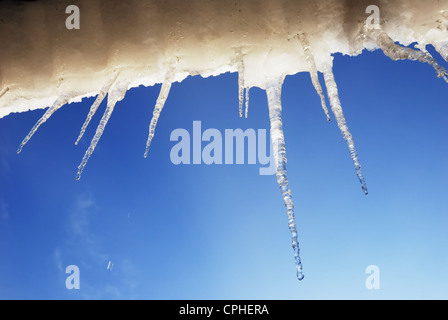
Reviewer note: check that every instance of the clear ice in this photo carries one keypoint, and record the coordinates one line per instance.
(333, 96)
(57, 105)
(273, 92)
(163, 95)
(313, 71)
(96, 104)
(116, 93)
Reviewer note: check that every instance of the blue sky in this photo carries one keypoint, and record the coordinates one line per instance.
(220, 231)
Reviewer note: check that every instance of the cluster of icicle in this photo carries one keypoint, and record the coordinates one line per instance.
(115, 90)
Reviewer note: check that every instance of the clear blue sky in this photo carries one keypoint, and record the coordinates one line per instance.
(220, 232)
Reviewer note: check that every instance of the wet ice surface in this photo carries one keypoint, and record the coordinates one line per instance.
(278, 144)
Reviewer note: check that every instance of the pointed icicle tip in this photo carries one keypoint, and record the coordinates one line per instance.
(333, 96)
(56, 105)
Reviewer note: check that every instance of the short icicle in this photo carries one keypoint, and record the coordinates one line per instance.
(247, 102)
(313, 71)
(163, 95)
(116, 94)
(278, 143)
(56, 105)
(96, 104)
(241, 88)
(333, 96)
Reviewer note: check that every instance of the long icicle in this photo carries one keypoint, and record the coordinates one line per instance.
(56, 105)
(241, 88)
(313, 71)
(163, 95)
(99, 99)
(397, 52)
(333, 96)
(116, 94)
(278, 143)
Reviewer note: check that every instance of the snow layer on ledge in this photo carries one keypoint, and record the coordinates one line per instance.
(41, 60)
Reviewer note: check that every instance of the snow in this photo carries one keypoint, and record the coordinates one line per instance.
(41, 59)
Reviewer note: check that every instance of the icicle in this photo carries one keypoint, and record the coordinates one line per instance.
(247, 101)
(335, 103)
(96, 104)
(116, 94)
(241, 88)
(278, 143)
(313, 71)
(442, 48)
(163, 95)
(396, 52)
(57, 104)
